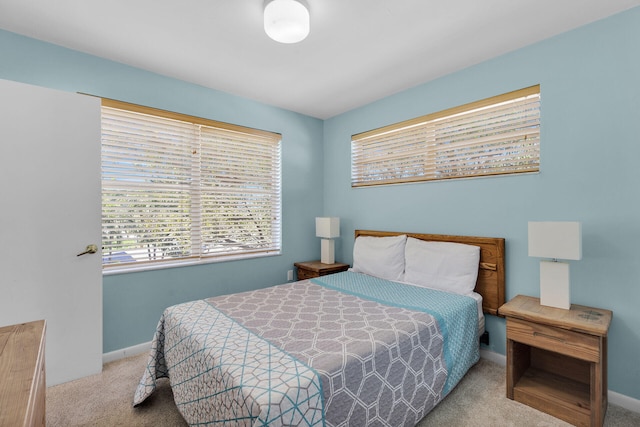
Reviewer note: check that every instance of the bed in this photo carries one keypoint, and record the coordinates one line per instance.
(380, 344)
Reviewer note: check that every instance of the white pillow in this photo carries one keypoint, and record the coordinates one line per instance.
(380, 256)
(448, 266)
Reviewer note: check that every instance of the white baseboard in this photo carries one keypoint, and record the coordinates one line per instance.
(623, 401)
(126, 352)
(617, 399)
(494, 357)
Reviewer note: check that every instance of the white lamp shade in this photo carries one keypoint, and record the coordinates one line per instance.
(286, 21)
(556, 240)
(327, 227)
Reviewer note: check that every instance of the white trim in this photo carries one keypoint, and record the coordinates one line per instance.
(126, 352)
(615, 398)
(625, 402)
(494, 357)
(130, 268)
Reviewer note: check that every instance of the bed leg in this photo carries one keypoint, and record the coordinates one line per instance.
(484, 338)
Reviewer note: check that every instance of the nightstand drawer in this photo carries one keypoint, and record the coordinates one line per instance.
(574, 344)
(306, 274)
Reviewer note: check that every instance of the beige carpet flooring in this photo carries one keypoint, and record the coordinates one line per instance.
(105, 400)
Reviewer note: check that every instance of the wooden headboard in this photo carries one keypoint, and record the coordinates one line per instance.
(490, 282)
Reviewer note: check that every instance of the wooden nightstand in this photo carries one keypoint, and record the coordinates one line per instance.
(557, 359)
(311, 269)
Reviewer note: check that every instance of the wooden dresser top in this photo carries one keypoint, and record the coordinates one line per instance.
(20, 349)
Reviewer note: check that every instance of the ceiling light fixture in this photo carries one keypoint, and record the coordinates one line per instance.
(286, 21)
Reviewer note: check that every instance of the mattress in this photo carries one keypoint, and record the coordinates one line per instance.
(478, 298)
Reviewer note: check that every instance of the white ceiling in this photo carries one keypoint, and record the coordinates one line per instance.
(358, 51)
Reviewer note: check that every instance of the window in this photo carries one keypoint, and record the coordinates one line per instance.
(495, 136)
(178, 189)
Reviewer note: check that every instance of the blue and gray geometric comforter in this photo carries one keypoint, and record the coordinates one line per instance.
(345, 349)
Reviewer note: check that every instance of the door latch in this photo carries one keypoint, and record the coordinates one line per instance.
(90, 249)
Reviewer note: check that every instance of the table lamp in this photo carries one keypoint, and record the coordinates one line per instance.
(328, 228)
(555, 240)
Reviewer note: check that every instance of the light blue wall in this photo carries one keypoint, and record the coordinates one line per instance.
(134, 302)
(590, 148)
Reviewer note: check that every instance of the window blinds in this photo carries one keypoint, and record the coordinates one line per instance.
(176, 190)
(498, 135)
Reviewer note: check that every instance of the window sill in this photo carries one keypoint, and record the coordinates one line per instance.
(111, 271)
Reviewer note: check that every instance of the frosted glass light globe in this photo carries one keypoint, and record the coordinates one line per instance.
(286, 21)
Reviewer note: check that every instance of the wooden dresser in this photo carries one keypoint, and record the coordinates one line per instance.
(22, 374)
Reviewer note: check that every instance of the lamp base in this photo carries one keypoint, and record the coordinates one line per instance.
(327, 251)
(554, 284)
